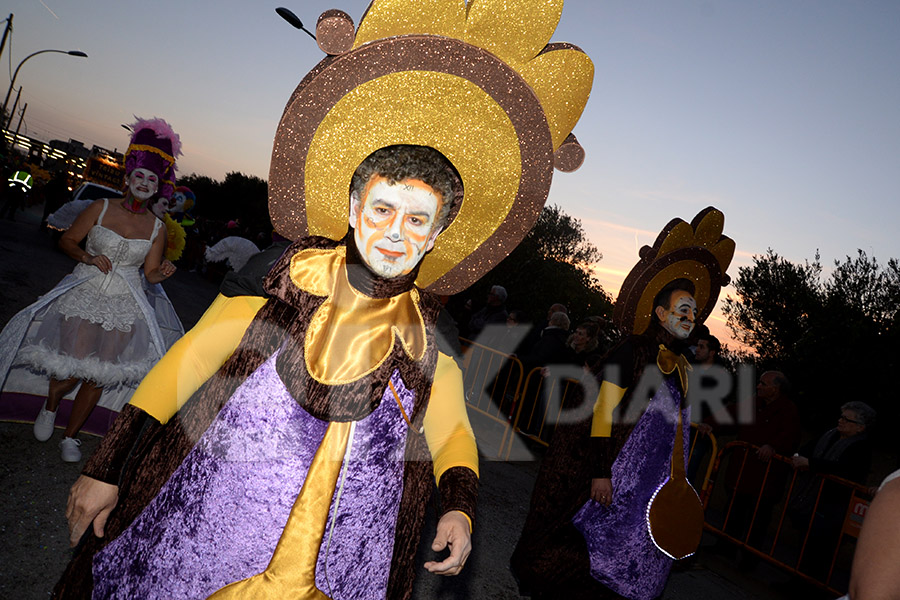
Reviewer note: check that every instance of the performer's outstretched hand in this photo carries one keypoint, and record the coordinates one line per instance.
(89, 500)
(452, 532)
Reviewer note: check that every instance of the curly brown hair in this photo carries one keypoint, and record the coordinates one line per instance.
(400, 162)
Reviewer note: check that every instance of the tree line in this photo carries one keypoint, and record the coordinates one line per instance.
(836, 336)
(552, 264)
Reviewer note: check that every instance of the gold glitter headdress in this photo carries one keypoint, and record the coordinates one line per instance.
(477, 82)
(697, 252)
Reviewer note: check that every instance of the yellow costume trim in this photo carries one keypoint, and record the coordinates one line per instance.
(448, 433)
(153, 149)
(292, 571)
(668, 361)
(196, 356)
(607, 400)
(175, 239)
(351, 335)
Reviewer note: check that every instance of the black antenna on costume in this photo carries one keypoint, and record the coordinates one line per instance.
(291, 18)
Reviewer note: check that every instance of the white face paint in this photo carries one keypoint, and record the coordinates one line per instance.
(394, 224)
(160, 207)
(143, 183)
(178, 199)
(679, 319)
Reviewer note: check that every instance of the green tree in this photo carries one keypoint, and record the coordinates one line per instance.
(238, 196)
(552, 264)
(836, 340)
(776, 299)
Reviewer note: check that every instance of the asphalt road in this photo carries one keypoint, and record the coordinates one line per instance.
(34, 482)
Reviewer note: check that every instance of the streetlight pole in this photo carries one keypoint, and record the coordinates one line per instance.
(16, 73)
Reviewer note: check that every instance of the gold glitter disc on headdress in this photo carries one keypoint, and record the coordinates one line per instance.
(478, 83)
(697, 252)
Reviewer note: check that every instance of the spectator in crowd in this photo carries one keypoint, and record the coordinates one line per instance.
(550, 349)
(707, 353)
(583, 343)
(535, 334)
(502, 387)
(774, 429)
(844, 451)
(56, 193)
(494, 312)
(510, 342)
(607, 335)
(703, 397)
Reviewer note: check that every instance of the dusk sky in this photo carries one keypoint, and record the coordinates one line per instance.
(784, 114)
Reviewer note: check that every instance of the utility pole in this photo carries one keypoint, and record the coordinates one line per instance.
(3, 45)
(12, 111)
(21, 117)
(6, 33)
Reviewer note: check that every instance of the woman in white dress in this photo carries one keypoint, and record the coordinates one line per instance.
(96, 327)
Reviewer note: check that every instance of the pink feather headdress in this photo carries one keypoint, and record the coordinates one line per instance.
(154, 146)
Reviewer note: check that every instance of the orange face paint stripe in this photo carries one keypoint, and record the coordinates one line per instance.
(416, 237)
(381, 225)
(370, 243)
(371, 183)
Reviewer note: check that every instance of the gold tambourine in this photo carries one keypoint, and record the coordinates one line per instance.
(480, 84)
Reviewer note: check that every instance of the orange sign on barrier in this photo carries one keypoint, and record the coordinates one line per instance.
(856, 512)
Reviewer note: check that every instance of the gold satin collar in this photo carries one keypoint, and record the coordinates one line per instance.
(351, 334)
(668, 361)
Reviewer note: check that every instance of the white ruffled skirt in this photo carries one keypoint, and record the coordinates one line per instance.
(110, 330)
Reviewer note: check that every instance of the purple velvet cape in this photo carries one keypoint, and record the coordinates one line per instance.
(220, 516)
(622, 555)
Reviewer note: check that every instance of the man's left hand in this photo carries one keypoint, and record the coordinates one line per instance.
(765, 453)
(800, 462)
(452, 532)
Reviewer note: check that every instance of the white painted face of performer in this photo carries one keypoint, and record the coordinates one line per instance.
(143, 183)
(178, 200)
(161, 207)
(679, 319)
(394, 224)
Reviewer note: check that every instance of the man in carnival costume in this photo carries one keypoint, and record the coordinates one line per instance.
(611, 507)
(301, 467)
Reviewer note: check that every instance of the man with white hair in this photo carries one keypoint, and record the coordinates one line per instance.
(493, 313)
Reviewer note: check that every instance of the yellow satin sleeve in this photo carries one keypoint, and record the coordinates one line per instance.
(447, 430)
(607, 400)
(196, 356)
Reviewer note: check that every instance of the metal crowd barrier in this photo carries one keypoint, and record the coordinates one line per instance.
(497, 389)
(793, 538)
(492, 381)
(539, 406)
(494, 388)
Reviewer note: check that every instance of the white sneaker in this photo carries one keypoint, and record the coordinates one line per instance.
(70, 451)
(43, 424)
